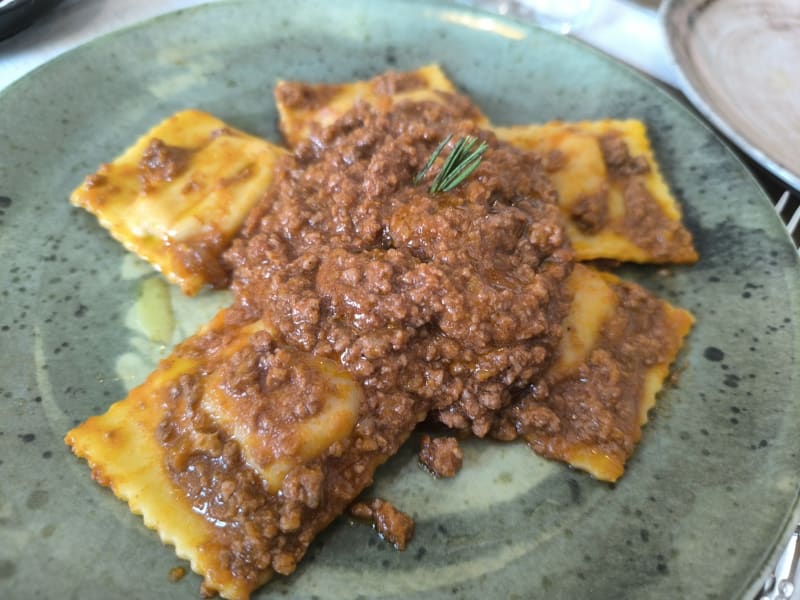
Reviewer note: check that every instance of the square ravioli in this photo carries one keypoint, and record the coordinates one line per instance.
(614, 357)
(178, 196)
(306, 108)
(611, 192)
(214, 453)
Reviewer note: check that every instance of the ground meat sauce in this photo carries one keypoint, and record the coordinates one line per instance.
(441, 456)
(599, 406)
(201, 255)
(618, 158)
(640, 218)
(162, 162)
(642, 214)
(451, 299)
(393, 525)
(444, 303)
(590, 211)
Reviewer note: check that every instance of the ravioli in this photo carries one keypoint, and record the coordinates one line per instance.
(305, 108)
(614, 357)
(131, 449)
(611, 192)
(180, 193)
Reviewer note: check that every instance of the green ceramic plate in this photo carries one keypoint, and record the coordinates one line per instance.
(707, 500)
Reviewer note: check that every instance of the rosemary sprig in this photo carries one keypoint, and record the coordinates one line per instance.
(463, 159)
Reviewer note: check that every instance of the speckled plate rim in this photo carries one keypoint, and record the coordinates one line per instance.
(792, 517)
(669, 15)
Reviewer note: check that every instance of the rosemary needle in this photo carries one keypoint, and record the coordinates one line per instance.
(421, 175)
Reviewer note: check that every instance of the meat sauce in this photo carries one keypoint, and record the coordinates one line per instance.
(640, 218)
(441, 456)
(447, 303)
(162, 162)
(393, 525)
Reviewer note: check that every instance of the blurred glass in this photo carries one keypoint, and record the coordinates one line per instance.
(562, 16)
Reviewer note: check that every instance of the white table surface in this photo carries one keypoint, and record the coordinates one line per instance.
(624, 30)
